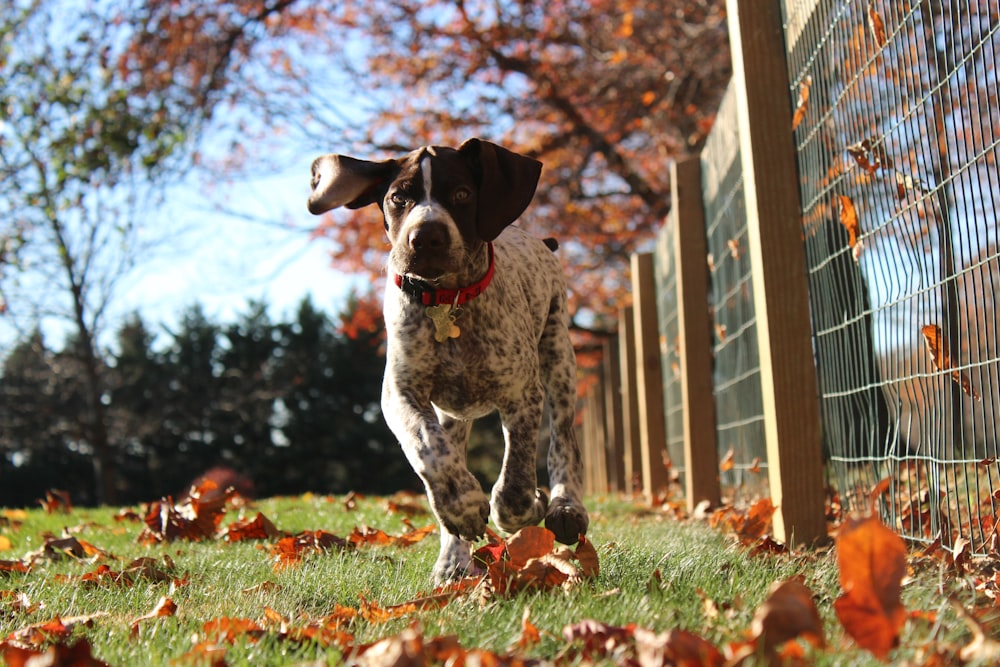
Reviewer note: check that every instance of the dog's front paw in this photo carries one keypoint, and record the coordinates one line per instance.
(512, 511)
(461, 506)
(568, 519)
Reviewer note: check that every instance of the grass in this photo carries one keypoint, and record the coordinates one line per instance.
(657, 573)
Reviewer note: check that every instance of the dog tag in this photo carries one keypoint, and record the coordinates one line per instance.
(443, 318)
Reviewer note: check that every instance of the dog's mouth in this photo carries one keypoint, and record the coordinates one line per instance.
(434, 270)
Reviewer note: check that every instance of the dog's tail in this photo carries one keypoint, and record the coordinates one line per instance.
(551, 244)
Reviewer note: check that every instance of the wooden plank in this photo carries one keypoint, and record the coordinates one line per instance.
(632, 438)
(701, 455)
(649, 377)
(614, 429)
(787, 368)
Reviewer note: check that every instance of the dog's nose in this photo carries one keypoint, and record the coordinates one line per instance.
(429, 236)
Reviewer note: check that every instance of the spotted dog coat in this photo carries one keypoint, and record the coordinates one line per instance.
(501, 342)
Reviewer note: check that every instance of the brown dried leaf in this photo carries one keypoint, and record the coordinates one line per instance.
(77, 654)
(258, 528)
(289, 551)
(164, 607)
(872, 562)
(876, 25)
(870, 156)
(728, 460)
(56, 500)
(849, 219)
(802, 105)
(788, 613)
(941, 358)
(983, 649)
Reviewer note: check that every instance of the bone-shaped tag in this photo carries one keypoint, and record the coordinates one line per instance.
(443, 317)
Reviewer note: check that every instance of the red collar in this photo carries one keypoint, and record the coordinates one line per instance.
(424, 293)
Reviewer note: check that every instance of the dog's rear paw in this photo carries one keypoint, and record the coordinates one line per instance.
(567, 519)
(454, 562)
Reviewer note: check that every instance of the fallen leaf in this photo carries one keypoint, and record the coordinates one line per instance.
(164, 607)
(528, 543)
(876, 25)
(870, 156)
(849, 219)
(258, 528)
(289, 551)
(728, 461)
(872, 562)
(941, 358)
(983, 649)
(77, 654)
(802, 104)
(529, 633)
(879, 490)
(788, 613)
(54, 630)
(757, 520)
(56, 500)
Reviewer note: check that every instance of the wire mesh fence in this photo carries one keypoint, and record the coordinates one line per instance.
(739, 416)
(898, 139)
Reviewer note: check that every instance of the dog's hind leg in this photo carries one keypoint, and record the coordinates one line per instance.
(566, 516)
(516, 500)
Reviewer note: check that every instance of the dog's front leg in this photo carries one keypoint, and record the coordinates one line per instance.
(436, 452)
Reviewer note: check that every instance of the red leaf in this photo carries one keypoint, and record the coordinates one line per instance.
(872, 562)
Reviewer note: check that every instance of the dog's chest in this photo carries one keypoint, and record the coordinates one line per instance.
(493, 357)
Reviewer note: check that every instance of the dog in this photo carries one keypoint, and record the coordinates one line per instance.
(476, 321)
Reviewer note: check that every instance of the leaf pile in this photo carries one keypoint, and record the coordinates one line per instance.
(786, 628)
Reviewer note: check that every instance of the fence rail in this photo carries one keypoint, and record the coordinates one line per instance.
(824, 290)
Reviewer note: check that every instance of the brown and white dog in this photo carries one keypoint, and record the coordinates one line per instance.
(476, 321)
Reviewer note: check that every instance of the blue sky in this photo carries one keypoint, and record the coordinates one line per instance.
(224, 260)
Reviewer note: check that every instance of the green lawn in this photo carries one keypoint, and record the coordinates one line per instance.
(656, 573)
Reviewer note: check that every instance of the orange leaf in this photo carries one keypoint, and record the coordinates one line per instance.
(258, 528)
(164, 607)
(878, 491)
(876, 25)
(849, 219)
(758, 519)
(869, 155)
(528, 543)
(872, 562)
(803, 102)
(938, 348)
(587, 555)
(728, 461)
(71, 655)
(529, 633)
(789, 612)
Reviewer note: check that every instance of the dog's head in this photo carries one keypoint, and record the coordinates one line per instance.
(440, 204)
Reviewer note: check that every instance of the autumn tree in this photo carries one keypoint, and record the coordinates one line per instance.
(78, 153)
(604, 92)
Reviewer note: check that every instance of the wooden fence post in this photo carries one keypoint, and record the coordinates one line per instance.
(649, 376)
(614, 429)
(632, 439)
(777, 260)
(701, 464)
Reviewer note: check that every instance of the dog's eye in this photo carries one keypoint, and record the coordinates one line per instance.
(398, 199)
(461, 195)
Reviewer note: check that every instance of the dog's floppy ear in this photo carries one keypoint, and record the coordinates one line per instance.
(507, 182)
(339, 180)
